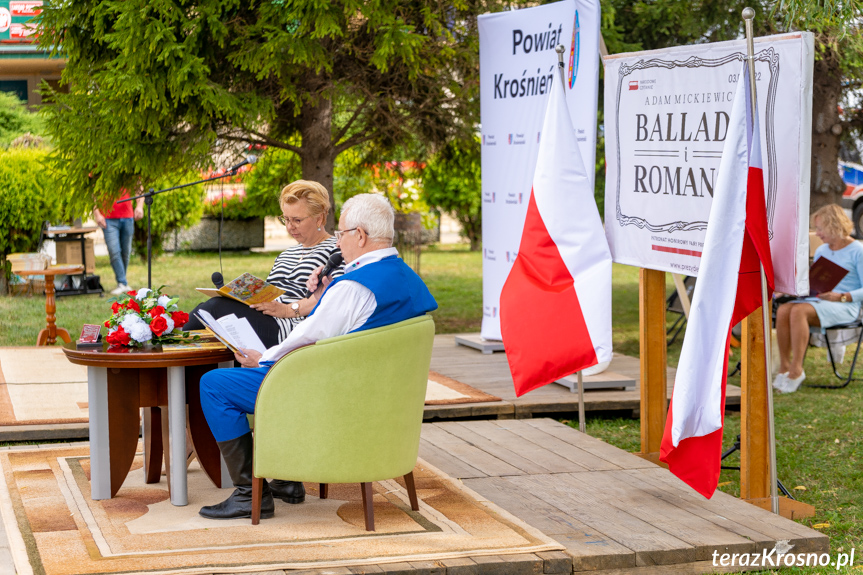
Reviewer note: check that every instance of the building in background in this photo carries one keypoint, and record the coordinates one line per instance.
(23, 65)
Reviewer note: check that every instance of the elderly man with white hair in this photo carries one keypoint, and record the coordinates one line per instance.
(377, 289)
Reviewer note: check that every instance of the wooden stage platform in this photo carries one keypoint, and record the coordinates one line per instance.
(490, 373)
(613, 511)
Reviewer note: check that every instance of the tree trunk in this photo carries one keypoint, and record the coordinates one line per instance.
(826, 184)
(318, 157)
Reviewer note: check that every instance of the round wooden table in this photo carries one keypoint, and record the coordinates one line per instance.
(121, 381)
(48, 336)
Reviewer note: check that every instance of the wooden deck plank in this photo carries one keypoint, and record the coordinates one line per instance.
(472, 455)
(501, 445)
(592, 445)
(563, 449)
(589, 548)
(774, 526)
(652, 545)
(690, 500)
(675, 521)
(446, 462)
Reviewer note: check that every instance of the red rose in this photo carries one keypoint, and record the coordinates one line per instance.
(156, 311)
(133, 305)
(107, 323)
(180, 318)
(118, 337)
(132, 293)
(116, 306)
(158, 325)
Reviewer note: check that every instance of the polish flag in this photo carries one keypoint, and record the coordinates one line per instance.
(728, 290)
(555, 307)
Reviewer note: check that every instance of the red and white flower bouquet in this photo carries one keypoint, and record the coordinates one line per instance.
(145, 317)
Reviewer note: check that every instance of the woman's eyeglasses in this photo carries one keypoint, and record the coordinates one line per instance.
(291, 221)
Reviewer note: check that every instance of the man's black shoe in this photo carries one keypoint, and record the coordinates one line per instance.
(288, 491)
(238, 459)
(239, 505)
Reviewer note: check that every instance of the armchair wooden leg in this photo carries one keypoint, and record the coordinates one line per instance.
(257, 493)
(412, 491)
(324, 491)
(368, 506)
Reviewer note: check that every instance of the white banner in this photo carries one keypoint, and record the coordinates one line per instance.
(666, 118)
(518, 65)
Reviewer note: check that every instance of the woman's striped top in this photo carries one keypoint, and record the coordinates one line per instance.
(290, 272)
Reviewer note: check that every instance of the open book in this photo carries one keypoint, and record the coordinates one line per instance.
(234, 332)
(247, 289)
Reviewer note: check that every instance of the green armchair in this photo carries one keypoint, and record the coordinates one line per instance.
(352, 408)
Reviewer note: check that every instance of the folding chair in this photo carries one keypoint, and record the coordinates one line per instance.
(674, 305)
(841, 333)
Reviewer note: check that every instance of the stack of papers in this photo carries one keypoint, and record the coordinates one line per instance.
(235, 332)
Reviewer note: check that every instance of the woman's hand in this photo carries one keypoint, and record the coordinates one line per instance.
(251, 359)
(273, 308)
(831, 296)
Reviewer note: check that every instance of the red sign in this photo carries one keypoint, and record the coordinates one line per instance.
(633, 84)
(26, 7)
(21, 31)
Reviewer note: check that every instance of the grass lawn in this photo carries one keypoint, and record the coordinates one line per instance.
(818, 430)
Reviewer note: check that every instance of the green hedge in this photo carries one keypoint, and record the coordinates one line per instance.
(29, 195)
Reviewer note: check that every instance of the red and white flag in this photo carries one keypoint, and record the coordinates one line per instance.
(555, 307)
(728, 290)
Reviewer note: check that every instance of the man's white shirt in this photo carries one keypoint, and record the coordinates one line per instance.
(347, 307)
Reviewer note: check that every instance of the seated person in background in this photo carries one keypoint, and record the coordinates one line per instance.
(304, 212)
(377, 289)
(842, 305)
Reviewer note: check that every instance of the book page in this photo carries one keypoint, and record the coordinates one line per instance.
(242, 333)
(214, 326)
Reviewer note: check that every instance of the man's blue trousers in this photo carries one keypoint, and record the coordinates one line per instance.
(227, 396)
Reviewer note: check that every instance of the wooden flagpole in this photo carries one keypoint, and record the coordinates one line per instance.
(748, 15)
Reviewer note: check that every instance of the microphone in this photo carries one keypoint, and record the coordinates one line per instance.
(251, 159)
(218, 280)
(334, 262)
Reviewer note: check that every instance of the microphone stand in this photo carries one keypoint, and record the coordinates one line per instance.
(148, 200)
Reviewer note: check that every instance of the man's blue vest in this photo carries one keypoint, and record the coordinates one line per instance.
(399, 292)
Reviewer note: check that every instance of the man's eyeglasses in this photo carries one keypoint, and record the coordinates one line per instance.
(340, 233)
(292, 221)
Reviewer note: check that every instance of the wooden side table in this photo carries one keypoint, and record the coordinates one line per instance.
(123, 380)
(48, 336)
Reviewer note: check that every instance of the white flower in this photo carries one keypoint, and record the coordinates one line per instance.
(170, 323)
(142, 293)
(163, 301)
(140, 332)
(131, 320)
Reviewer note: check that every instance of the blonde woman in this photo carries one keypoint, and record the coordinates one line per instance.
(842, 305)
(305, 205)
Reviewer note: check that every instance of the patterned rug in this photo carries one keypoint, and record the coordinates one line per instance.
(38, 386)
(55, 528)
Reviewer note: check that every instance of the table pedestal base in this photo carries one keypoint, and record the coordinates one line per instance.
(116, 396)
